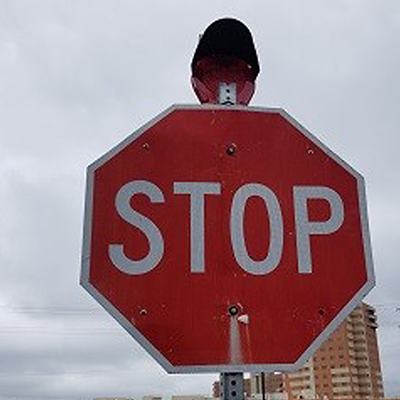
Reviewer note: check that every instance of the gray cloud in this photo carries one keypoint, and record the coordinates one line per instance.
(77, 78)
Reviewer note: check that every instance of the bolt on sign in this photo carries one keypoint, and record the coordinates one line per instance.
(226, 239)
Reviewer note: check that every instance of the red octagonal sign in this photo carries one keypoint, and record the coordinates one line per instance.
(226, 239)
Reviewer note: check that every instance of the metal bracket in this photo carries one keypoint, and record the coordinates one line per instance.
(232, 386)
(227, 94)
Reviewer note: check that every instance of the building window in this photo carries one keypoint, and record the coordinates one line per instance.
(258, 384)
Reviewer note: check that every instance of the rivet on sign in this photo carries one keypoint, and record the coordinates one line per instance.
(146, 146)
(231, 149)
(321, 312)
(233, 310)
(143, 312)
(310, 151)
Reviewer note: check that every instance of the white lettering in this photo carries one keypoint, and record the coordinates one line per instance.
(197, 192)
(305, 228)
(271, 261)
(154, 236)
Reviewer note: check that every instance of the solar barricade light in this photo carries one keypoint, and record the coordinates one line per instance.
(225, 64)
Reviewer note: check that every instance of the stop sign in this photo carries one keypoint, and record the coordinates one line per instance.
(226, 239)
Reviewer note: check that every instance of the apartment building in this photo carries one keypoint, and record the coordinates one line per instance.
(346, 366)
(273, 383)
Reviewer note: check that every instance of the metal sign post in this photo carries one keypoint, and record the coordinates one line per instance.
(232, 386)
(232, 383)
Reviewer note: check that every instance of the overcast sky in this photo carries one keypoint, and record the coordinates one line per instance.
(76, 77)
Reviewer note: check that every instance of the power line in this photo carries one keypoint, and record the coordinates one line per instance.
(62, 373)
(43, 330)
(50, 310)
